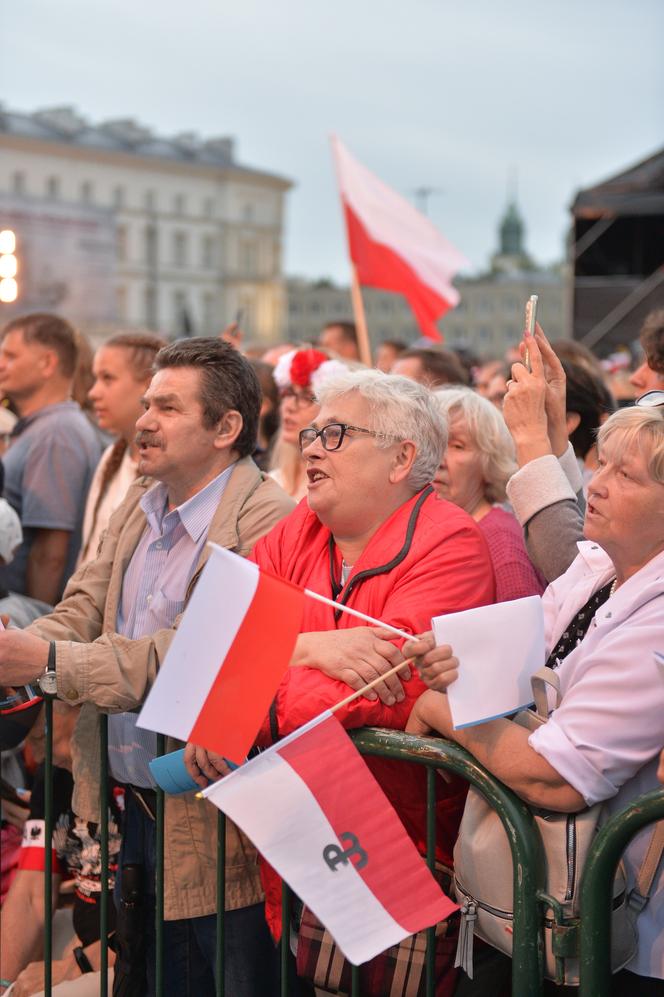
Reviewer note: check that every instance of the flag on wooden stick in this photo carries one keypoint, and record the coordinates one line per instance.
(314, 810)
(228, 656)
(395, 247)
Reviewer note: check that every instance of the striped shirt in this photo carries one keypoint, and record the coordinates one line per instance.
(153, 595)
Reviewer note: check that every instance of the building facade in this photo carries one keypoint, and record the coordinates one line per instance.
(196, 237)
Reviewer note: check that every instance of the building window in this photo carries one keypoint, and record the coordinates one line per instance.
(53, 188)
(207, 251)
(121, 303)
(151, 245)
(180, 249)
(248, 213)
(208, 207)
(18, 182)
(121, 243)
(150, 200)
(118, 197)
(248, 256)
(209, 313)
(151, 319)
(179, 204)
(181, 318)
(86, 192)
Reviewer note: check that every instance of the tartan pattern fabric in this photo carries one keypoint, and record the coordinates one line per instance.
(397, 972)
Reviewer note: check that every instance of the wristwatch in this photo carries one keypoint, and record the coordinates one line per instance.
(48, 682)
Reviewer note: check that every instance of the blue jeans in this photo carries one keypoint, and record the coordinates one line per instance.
(189, 957)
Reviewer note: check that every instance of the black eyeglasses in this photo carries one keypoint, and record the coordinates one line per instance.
(651, 398)
(301, 400)
(332, 435)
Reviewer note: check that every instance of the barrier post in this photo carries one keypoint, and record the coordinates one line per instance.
(103, 834)
(597, 889)
(284, 949)
(221, 902)
(48, 845)
(159, 882)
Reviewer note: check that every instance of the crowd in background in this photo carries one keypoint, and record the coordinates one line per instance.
(87, 434)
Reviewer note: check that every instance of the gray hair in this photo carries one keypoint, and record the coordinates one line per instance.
(636, 428)
(401, 409)
(489, 434)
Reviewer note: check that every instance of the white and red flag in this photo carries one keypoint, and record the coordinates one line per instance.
(393, 246)
(228, 656)
(314, 810)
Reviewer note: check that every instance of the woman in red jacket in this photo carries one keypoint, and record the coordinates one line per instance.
(371, 534)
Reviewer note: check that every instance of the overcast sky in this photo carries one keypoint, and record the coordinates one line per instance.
(426, 93)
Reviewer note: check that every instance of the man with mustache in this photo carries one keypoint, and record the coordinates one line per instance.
(103, 645)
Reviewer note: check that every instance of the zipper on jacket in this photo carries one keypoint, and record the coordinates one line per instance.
(570, 842)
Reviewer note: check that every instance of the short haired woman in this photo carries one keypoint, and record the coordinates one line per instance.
(473, 473)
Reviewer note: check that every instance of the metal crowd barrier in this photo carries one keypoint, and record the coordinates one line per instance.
(596, 889)
(433, 753)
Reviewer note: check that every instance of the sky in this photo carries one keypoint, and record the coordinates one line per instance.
(469, 99)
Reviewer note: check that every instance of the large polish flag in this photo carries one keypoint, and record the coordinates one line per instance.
(314, 810)
(395, 247)
(228, 656)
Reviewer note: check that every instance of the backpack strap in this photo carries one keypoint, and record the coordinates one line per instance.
(539, 682)
(646, 875)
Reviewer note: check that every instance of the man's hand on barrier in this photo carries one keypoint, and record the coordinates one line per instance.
(437, 665)
(204, 766)
(356, 656)
(31, 980)
(23, 657)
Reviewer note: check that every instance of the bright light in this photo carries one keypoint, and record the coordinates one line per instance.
(8, 290)
(7, 241)
(8, 266)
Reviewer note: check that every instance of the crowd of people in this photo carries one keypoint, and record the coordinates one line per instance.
(433, 482)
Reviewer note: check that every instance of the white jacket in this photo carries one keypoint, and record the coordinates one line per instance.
(605, 736)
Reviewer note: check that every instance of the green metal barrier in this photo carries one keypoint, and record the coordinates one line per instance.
(433, 753)
(524, 839)
(597, 886)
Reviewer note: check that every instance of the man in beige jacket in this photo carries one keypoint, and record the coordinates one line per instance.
(103, 644)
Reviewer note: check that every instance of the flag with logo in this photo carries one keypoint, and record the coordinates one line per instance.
(395, 247)
(314, 810)
(227, 658)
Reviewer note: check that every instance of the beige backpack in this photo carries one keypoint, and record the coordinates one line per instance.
(483, 874)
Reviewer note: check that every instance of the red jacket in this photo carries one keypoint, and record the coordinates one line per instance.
(427, 559)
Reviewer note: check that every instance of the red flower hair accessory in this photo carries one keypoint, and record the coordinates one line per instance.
(303, 364)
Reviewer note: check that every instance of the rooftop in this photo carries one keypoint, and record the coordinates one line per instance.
(64, 125)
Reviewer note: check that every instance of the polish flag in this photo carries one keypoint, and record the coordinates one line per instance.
(314, 810)
(393, 246)
(227, 658)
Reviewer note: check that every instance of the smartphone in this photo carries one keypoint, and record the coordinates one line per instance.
(238, 317)
(531, 319)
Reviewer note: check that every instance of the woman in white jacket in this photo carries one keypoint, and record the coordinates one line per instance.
(602, 743)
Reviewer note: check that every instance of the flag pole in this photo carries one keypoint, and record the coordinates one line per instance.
(355, 612)
(359, 316)
(370, 685)
(363, 341)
